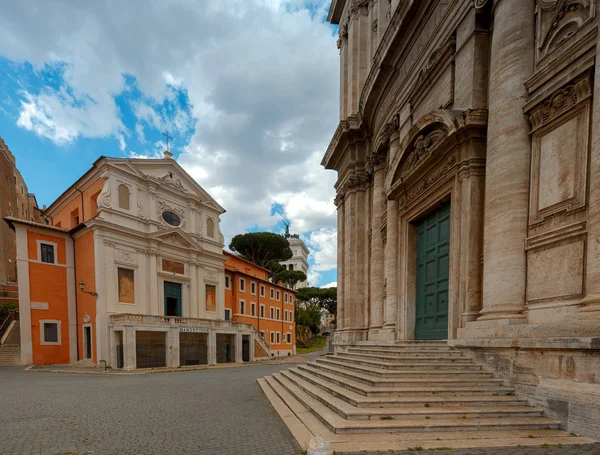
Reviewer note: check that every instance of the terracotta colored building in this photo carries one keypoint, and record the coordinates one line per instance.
(130, 270)
(252, 299)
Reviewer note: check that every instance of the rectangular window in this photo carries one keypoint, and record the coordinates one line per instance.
(242, 306)
(262, 333)
(47, 253)
(289, 338)
(227, 314)
(291, 299)
(126, 285)
(211, 298)
(272, 337)
(291, 317)
(253, 288)
(253, 309)
(262, 290)
(227, 282)
(278, 295)
(278, 314)
(242, 285)
(285, 315)
(262, 311)
(50, 332)
(278, 338)
(272, 313)
(272, 293)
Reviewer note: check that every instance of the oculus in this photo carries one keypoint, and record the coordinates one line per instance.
(171, 218)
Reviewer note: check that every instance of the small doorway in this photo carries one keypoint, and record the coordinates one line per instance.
(225, 348)
(433, 254)
(87, 342)
(172, 299)
(245, 348)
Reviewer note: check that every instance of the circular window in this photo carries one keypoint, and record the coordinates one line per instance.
(171, 218)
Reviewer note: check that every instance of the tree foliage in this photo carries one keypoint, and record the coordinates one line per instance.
(289, 278)
(308, 315)
(265, 249)
(326, 298)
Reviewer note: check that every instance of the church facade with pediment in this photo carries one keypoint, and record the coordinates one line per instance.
(129, 270)
(468, 191)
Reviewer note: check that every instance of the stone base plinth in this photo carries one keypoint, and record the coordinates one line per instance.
(560, 374)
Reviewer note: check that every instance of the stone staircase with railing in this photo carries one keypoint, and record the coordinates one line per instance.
(406, 395)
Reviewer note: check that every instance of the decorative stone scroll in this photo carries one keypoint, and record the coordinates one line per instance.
(561, 101)
(422, 147)
(170, 180)
(140, 213)
(211, 275)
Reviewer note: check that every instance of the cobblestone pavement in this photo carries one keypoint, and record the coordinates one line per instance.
(212, 412)
(208, 412)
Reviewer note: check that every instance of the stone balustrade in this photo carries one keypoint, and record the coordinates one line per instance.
(146, 319)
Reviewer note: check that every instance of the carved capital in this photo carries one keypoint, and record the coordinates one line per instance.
(375, 160)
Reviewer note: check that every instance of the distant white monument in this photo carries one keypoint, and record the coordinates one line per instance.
(299, 260)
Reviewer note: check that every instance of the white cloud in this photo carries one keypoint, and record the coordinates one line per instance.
(333, 284)
(323, 244)
(260, 76)
(314, 278)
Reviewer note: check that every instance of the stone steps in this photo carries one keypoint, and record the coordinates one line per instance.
(412, 373)
(10, 355)
(387, 382)
(338, 424)
(410, 358)
(424, 389)
(416, 364)
(348, 411)
(364, 403)
(408, 351)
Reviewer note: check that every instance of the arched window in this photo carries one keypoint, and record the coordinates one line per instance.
(123, 197)
(210, 228)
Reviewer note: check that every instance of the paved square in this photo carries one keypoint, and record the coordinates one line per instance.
(207, 412)
(220, 411)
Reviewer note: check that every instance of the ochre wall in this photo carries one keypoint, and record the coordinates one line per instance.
(48, 284)
(252, 273)
(90, 209)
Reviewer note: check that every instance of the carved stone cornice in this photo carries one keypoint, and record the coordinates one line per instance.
(416, 191)
(560, 101)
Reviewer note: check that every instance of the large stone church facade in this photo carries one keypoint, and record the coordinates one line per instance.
(468, 197)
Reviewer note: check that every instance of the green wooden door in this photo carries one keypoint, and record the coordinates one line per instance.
(172, 299)
(433, 252)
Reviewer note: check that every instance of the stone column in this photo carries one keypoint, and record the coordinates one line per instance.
(238, 347)
(153, 283)
(360, 261)
(591, 308)
(508, 162)
(194, 290)
(377, 258)
(349, 256)
(211, 347)
(129, 357)
(391, 271)
(173, 347)
(340, 262)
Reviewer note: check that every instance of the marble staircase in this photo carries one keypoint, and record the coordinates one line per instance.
(406, 395)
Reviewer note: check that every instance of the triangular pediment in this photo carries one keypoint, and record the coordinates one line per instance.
(176, 237)
(168, 173)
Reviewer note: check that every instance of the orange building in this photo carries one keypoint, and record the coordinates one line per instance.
(130, 270)
(251, 298)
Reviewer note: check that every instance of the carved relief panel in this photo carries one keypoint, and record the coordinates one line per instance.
(558, 20)
(560, 147)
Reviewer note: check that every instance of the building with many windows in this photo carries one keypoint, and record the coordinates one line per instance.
(130, 270)
(251, 298)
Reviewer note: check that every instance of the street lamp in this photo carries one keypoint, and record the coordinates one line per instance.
(82, 286)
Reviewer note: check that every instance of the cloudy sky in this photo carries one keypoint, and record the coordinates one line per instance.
(248, 89)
